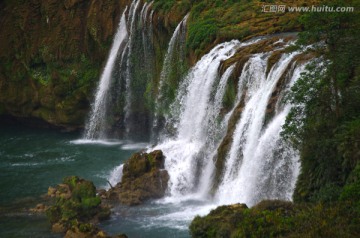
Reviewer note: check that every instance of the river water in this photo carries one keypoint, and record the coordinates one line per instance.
(32, 159)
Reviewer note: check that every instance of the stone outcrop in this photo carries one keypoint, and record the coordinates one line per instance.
(143, 178)
(76, 208)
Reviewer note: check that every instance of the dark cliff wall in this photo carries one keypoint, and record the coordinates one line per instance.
(51, 54)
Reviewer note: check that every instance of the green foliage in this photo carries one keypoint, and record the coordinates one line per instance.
(201, 33)
(351, 191)
(217, 20)
(324, 123)
(86, 227)
(83, 189)
(90, 202)
(71, 181)
(306, 95)
(76, 202)
(164, 5)
(53, 213)
(278, 219)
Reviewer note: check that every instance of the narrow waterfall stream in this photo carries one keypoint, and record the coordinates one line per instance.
(95, 127)
(173, 64)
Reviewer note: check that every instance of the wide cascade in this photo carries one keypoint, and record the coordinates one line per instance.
(256, 163)
(218, 123)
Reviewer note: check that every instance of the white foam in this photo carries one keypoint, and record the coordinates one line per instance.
(134, 146)
(115, 175)
(99, 142)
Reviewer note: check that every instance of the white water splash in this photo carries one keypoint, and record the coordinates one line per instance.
(252, 145)
(183, 151)
(115, 176)
(259, 165)
(96, 125)
(174, 58)
(96, 142)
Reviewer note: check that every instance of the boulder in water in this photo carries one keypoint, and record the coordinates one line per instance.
(144, 178)
(76, 201)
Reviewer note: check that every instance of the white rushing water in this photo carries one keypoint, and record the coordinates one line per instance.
(174, 58)
(192, 125)
(258, 153)
(177, 37)
(129, 46)
(96, 125)
(259, 165)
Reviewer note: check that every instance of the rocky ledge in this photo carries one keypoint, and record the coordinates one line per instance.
(144, 178)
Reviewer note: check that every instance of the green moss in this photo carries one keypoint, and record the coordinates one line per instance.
(164, 5)
(202, 33)
(90, 202)
(86, 227)
(71, 181)
(278, 219)
(76, 200)
(84, 190)
(54, 214)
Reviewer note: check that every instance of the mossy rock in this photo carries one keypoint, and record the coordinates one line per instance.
(76, 201)
(143, 178)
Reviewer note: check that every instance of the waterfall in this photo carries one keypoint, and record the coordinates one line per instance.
(125, 78)
(259, 164)
(96, 126)
(252, 145)
(191, 116)
(129, 47)
(192, 124)
(173, 66)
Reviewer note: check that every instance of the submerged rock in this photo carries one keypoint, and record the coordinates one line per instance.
(143, 178)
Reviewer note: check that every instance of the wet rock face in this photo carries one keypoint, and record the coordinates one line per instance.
(143, 178)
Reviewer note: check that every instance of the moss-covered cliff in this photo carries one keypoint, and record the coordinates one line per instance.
(51, 53)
